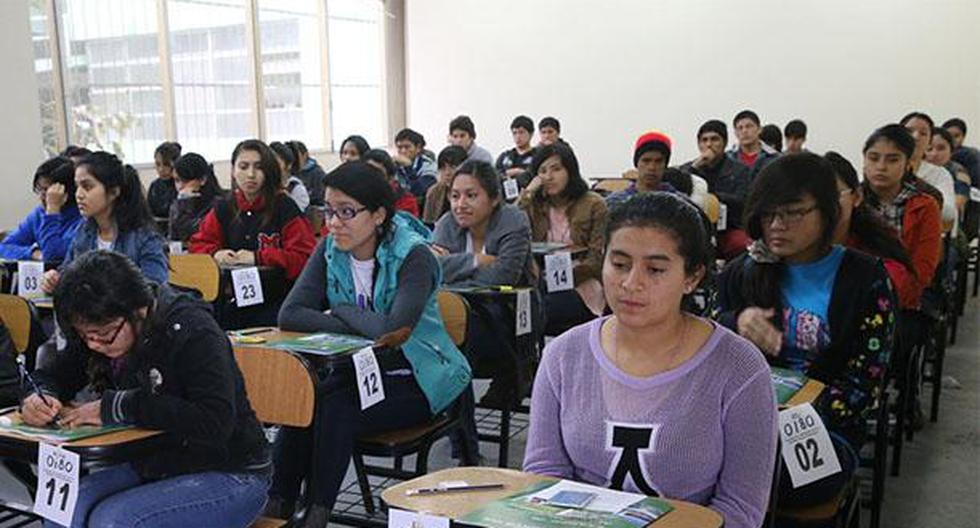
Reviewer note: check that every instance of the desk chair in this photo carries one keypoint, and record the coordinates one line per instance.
(418, 439)
(282, 390)
(196, 271)
(712, 208)
(15, 313)
(610, 186)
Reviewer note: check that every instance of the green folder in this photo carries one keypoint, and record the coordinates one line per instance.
(13, 424)
(786, 383)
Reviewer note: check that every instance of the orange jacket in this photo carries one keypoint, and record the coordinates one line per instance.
(922, 237)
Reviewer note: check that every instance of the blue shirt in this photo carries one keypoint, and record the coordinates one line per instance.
(51, 233)
(806, 290)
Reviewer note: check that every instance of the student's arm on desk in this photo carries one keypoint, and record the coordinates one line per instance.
(545, 451)
(304, 307)
(204, 414)
(416, 281)
(62, 373)
(749, 427)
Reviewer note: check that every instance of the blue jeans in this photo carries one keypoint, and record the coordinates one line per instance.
(117, 497)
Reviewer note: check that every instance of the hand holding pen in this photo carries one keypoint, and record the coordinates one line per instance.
(37, 409)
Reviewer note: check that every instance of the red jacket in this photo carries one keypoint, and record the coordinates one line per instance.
(285, 241)
(922, 237)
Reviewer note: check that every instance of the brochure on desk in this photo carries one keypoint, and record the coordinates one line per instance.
(530, 508)
(786, 383)
(13, 424)
(322, 344)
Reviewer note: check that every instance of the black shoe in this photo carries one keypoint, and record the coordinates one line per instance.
(315, 516)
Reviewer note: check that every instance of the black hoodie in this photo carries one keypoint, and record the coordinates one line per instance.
(180, 378)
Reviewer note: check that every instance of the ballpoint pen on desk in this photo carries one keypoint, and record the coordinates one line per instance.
(453, 488)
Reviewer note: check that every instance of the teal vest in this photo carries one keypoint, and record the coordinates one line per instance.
(440, 369)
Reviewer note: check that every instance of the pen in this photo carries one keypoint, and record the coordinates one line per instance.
(30, 379)
(450, 489)
(254, 331)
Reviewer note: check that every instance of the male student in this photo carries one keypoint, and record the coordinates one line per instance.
(416, 171)
(462, 133)
(549, 131)
(750, 151)
(727, 179)
(968, 157)
(795, 136)
(516, 161)
(651, 154)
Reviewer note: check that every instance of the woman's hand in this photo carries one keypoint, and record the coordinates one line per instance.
(224, 257)
(36, 413)
(533, 185)
(245, 257)
(438, 250)
(755, 324)
(87, 414)
(55, 198)
(49, 281)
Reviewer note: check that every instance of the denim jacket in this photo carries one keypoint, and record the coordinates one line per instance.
(145, 247)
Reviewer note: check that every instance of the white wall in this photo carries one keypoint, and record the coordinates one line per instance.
(20, 115)
(610, 70)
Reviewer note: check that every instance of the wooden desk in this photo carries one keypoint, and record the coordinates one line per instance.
(539, 249)
(807, 394)
(458, 505)
(95, 450)
(274, 335)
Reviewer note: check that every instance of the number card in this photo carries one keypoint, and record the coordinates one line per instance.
(558, 271)
(975, 194)
(523, 309)
(29, 275)
(176, 247)
(57, 483)
(409, 519)
(807, 451)
(369, 386)
(248, 286)
(722, 217)
(510, 189)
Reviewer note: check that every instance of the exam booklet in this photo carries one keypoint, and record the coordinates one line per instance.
(13, 424)
(324, 344)
(786, 383)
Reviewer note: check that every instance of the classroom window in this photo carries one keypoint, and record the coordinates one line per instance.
(110, 81)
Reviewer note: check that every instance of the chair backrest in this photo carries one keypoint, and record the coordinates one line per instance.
(712, 208)
(16, 316)
(612, 185)
(279, 384)
(196, 271)
(455, 312)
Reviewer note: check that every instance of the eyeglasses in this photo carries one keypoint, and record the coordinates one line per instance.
(97, 338)
(343, 213)
(787, 217)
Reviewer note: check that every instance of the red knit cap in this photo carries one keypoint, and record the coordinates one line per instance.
(650, 141)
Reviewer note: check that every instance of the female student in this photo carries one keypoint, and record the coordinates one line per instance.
(293, 186)
(353, 148)
(110, 198)
(563, 210)
(308, 171)
(197, 190)
(404, 200)
(259, 224)
(154, 358)
(485, 242)
(888, 155)
(920, 126)
(162, 191)
(940, 153)
(437, 197)
(864, 229)
(372, 276)
(652, 399)
(812, 306)
(47, 232)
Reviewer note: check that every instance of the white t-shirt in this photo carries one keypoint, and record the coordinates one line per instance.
(469, 248)
(103, 244)
(942, 180)
(363, 272)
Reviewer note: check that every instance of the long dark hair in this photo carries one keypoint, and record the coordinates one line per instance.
(193, 166)
(876, 235)
(576, 186)
(903, 141)
(367, 185)
(272, 183)
(129, 210)
(787, 179)
(58, 169)
(97, 287)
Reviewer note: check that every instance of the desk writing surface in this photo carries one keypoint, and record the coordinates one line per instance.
(807, 394)
(459, 504)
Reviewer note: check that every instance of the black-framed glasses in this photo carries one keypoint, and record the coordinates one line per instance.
(93, 337)
(344, 213)
(787, 217)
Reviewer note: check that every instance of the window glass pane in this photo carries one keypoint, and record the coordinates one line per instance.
(112, 76)
(45, 76)
(212, 71)
(290, 42)
(356, 97)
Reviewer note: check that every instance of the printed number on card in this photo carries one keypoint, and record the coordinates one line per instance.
(510, 189)
(29, 276)
(807, 450)
(558, 271)
(975, 194)
(722, 217)
(248, 287)
(57, 483)
(523, 313)
(369, 386)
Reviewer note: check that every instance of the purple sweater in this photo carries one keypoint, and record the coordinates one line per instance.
(704, 432)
